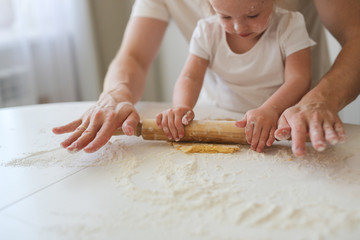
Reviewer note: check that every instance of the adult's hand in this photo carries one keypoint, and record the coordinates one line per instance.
(96, 126)
(314, 119)
(124, 83)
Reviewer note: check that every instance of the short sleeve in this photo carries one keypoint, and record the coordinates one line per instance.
(294, 36)
(151, 8)
(199, 43)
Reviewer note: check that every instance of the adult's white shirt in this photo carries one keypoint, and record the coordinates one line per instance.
(186, 13)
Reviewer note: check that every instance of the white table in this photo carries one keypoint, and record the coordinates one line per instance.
(136, 189)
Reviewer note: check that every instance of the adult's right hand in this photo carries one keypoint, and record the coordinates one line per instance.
(96, 126)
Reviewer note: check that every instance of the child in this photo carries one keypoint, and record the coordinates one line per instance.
(261, 56)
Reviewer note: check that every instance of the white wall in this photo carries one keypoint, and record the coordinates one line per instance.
(171, 59)
(86, 56)
(109, 19)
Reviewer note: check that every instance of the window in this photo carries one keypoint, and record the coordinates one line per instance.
(40, 51)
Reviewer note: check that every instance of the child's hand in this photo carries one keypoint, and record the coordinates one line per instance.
(172, 121)
(260, 125)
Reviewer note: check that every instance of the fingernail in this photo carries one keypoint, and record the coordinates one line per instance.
(299, 151)
(91, 145)
(334, 141)
(320, 147)
(124, 129)
(128, 131)
(72, 150)
(299, 154)
(338, 128)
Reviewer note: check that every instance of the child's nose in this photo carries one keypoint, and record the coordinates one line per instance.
(239, 26)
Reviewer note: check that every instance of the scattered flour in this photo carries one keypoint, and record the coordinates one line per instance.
(273, 191)
(60, 157)
(256, 193)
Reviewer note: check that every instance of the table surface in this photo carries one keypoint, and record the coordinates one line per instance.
(137, 189)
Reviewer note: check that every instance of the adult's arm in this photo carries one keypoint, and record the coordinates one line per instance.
(124, 85)
(316, 113)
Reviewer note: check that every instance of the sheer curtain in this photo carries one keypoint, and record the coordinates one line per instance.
(39, 52)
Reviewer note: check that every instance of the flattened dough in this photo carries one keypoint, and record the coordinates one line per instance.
(206, 147)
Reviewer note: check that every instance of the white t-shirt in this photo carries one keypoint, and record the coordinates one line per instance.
(245, 81)
(186, 13)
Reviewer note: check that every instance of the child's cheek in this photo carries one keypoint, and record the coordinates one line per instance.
(261, 26)
(228, 27)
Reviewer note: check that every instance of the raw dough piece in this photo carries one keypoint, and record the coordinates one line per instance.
(206, 147)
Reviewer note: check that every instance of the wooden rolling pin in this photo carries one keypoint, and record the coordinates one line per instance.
(205, 131)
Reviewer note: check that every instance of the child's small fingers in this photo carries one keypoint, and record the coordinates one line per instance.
(255, 136)
(179, 127)
(158, 119)
(172, 128)
(271, 138)
(180, 131)
(165, 127)
(188, 117)
(249, 128)
(242, 122)
(262, 141)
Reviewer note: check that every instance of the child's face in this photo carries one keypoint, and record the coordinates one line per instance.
(245, 18)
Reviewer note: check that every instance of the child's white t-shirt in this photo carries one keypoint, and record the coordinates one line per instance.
(245, 81)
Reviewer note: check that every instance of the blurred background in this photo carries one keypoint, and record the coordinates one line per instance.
(59, 51)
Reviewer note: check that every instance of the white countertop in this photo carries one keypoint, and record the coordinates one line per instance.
(136, 189)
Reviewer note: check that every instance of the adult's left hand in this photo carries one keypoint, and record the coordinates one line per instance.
(314, 119)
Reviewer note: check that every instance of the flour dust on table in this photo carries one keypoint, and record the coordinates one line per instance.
(60, 157)
(246, 191)
(258, 194)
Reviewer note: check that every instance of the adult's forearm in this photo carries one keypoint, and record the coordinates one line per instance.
(125, 80)
(341, 85)
(126, 76)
